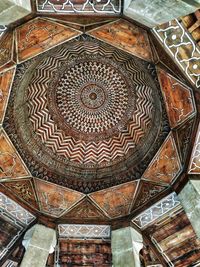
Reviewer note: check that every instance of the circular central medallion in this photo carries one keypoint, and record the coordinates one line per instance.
(85, 115)
(91, 98)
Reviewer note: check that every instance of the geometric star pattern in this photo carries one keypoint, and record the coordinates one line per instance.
(107, 201)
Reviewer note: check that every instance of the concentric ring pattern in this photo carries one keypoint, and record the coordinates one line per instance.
(89, 113)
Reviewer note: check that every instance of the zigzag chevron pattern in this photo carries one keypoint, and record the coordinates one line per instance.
(137, 114)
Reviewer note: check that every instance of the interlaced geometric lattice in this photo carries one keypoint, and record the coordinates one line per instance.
(156, 211)
(84, 7)
(13, 209)
(181, 47)
(84, 231)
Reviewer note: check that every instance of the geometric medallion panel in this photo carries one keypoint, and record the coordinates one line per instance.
(24, 190)
(14, 211)
(181, 48)
(11, 165)
(116, 201)
(54, 199)
(130, 38)
(194, 167)
(82, 7)
(39, 35)
(156, 211)
(6, 79)
(166, 164)
(84, 231)
(7, 51)
(85, 210)
(178, 98)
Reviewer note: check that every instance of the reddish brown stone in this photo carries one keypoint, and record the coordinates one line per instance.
(55, 199)
(166, 164)
(178, 98)
(6, 79)
(24, 190)
(146, 191)
(116, 201)
(39, 35)
(126, 36)
(11, 165)
(7, 51)
(85, 210)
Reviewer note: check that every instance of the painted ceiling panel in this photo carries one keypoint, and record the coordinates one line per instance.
(39, 35)
(194, 167)
(6, 79)
(165, 166)
(11, 165)
(184, 135)
(54, 199)
(116, 201)
(126, 36)
(7, 51)
(147, 191)
(178, 98)
(180, 236)
(85, 210)
(24, 190)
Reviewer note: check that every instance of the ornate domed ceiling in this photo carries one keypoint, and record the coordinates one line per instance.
(86, 115)
(95, 126)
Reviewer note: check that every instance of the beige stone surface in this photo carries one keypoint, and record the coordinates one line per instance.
(126, 245)
(155, 12)
(190, 200)
(12, 10)
(39, 241)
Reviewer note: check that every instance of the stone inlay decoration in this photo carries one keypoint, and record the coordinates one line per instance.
(39, 35)
(181, 47)
(84, 7)
(116, 201)
(166, 164)
(11, 165)
(83, 231)
(55, 199)
(88, 113)
(6, 79)
(178, 97)
(13, 221)
(85, 210)
(194, 167)
(14, 210)
(157, 210)
(129, 37)
(7, 50)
